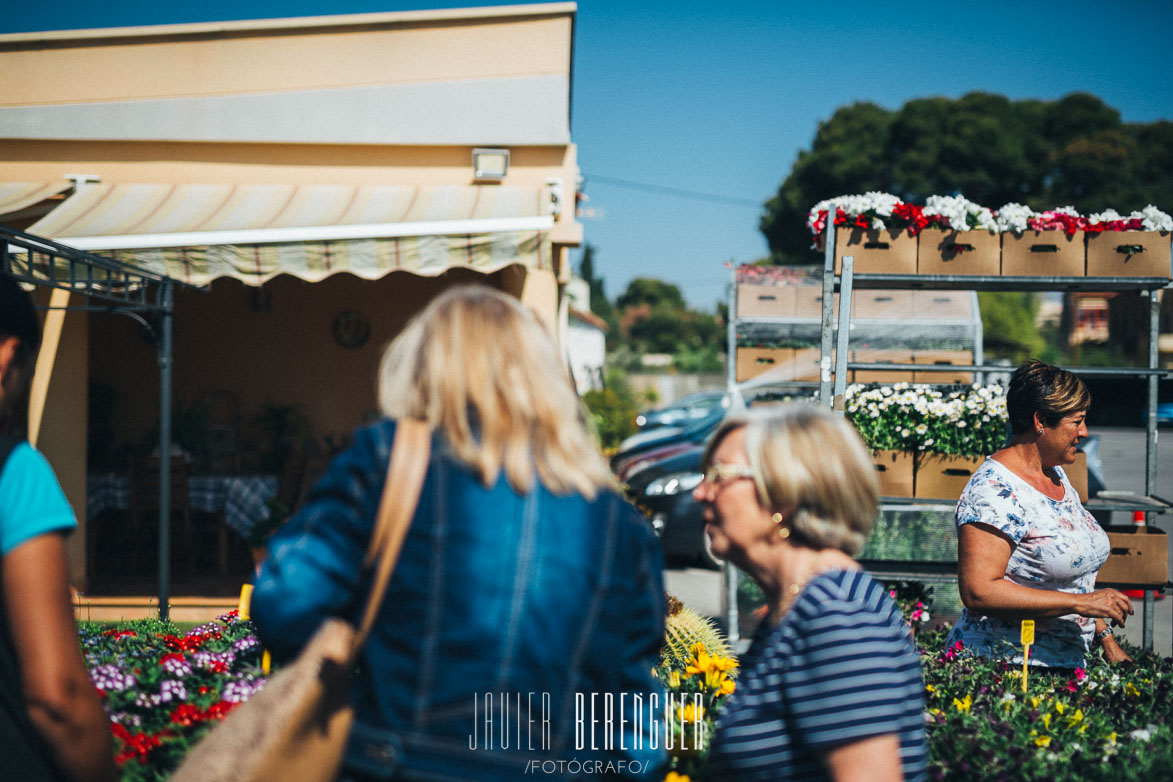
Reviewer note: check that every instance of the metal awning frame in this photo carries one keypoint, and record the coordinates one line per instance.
(110, 286)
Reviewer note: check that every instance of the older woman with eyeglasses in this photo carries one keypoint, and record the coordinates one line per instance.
(831, 686)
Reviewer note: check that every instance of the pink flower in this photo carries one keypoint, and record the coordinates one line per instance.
(1080, 674)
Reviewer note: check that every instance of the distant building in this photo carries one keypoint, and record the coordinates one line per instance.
(586, 338)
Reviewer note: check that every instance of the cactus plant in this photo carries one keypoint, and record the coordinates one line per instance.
(684, 629)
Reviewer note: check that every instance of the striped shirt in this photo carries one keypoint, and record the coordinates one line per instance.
(840, 667)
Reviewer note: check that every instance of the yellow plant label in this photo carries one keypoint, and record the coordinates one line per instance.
(1028, 632)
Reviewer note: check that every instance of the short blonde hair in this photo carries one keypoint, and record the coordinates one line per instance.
(481, 368)
(811, 465)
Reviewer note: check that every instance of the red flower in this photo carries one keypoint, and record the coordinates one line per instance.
(116, 634)
(218, 711)
(171, 656)
(136, 746)
(187, 714)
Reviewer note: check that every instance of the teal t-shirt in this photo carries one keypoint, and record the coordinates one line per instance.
(31, 500)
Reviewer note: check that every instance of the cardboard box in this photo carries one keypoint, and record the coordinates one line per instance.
(943, 357)
(752, 362)
(1113, 254)
(1077, 474)
(943, 477)
(895, 470)
(807, 363)
(766, 301)
(1042, 254)
(882, 357)
(809, 301)
(958, 252)
(889, 251)
(937, 305)
(881, 305)
(1138, 555)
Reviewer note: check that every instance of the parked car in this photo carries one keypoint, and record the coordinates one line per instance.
(665, 440)
(681, 412)
(663, 492)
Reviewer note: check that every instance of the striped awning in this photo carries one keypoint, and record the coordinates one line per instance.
(15, 196)
(197, 233)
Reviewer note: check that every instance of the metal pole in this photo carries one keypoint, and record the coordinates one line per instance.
(828, 303)
(845, 283)
(728, 572)
(1150, 477)
(166, 313)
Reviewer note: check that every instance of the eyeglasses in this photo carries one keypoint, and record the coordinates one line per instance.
(717, 472)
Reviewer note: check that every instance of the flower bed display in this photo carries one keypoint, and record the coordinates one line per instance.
(952, 235)
(929, 438)
(1107, 722)
(164, 689)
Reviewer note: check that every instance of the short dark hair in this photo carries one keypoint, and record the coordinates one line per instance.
(1052, 392)
(18, 318)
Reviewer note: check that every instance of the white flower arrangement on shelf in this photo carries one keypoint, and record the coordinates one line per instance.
(1148, 219)
(969, 421)
(860, 211)
(958, 213)
(1014, 217)
(877, 211)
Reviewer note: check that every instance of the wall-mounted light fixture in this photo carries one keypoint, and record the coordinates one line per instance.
(490, 164)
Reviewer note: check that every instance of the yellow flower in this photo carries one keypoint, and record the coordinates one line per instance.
(1130, 688)
(963, 705)
(701, 662)
(1060, 706)
(1035, 700)
(674, 777)
(1047, 720)
(1112, 737)
(1083, 728)
(1043, 741)
(1075, 718)
(930, 688)
(674, 680)
(691, 713)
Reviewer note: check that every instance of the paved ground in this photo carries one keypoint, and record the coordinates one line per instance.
(1122, 452)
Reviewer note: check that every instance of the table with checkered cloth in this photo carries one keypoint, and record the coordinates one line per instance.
(242, 497)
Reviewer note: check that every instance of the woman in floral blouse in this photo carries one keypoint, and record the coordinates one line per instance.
(1026, 546)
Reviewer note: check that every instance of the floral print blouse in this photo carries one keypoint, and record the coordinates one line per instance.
(1057, 545)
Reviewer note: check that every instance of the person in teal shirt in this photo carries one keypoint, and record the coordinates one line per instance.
(52, 725)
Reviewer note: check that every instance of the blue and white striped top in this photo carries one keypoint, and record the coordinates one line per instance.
(840, 667)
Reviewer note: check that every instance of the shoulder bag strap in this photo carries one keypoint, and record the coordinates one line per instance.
(410, 453)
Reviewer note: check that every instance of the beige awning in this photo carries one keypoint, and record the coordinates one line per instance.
(197, 233)
(15, 196)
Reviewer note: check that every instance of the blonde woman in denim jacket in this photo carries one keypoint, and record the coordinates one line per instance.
(525, 613)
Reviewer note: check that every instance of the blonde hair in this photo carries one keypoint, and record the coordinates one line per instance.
(811, 465)
(479, 367)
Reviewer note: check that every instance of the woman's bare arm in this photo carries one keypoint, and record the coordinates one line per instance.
(63, 704)
(982, 555)
(875, 759)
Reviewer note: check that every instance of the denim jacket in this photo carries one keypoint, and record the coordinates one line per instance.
(518, 633)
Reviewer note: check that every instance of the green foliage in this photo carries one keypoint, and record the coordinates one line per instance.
(612, 409)
(1008, 325)
(1044, 154)
(654, 319)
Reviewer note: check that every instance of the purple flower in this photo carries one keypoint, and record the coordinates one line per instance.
(241, 690)
(110, 678)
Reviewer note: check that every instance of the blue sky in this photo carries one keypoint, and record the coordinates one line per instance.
(718, 98)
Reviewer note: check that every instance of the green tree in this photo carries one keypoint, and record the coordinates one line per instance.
(1008, 324)
(656, 294)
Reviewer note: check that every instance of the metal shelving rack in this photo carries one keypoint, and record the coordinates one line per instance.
(832, 381)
